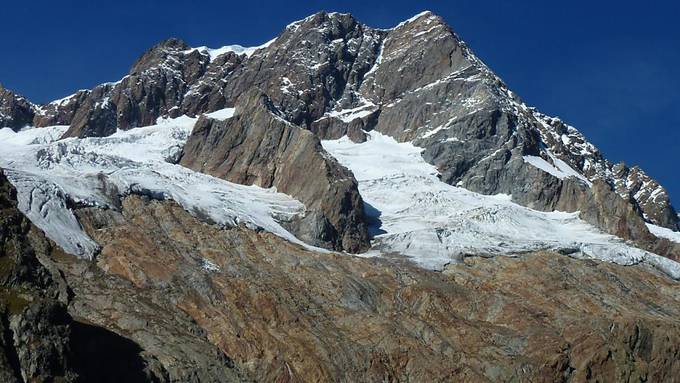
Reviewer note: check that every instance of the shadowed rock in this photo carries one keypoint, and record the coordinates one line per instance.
(15, 111)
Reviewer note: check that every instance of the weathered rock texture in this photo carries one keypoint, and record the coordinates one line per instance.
(173, 299)
(285, 314)
(257, 146)
(42, 342)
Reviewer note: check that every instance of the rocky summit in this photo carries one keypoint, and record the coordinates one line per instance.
(342, 203)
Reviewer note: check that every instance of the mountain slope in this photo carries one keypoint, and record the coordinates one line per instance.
(169, 297)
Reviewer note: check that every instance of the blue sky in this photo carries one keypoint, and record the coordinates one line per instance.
(610, 68)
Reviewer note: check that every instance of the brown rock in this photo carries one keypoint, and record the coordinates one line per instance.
(285, 313)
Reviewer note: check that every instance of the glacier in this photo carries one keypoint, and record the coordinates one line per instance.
(415, 214)
(412, 213)
(53, 175)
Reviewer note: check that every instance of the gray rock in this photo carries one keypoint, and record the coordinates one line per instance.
(15, 111)
(257, 146)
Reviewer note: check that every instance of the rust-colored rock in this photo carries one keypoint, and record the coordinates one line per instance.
(286, 314)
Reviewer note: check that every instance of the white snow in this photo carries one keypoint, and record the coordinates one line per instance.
(51, 175)
(560, 170)
(66, 99)
(238, 49)
(378, 60)
(662, 232)
(221, 114)
(417, 215)
(348, 115)
(412, 19)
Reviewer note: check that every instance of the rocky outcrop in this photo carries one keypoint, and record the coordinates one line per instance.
(42, 341)
(534, 317)
(15, 111)
(61, 112)
(650, 197)
(155, 86)
(257, 146)
(33, 322)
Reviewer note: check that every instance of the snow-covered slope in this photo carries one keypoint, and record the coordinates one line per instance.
(417, 215)
(662, 232)
(50, 176)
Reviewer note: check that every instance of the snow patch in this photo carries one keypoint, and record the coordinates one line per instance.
(560, 170)
(238, 49)
(349, 115)
(222, 114)
(414, 18)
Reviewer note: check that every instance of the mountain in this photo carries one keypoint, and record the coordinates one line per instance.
(339, 203)
(416, 82)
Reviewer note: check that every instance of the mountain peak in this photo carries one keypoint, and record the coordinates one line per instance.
(420, 17)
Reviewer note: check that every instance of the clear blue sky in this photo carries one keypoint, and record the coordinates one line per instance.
(610, 68)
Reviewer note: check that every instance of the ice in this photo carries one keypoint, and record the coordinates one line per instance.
(662, 232)
(416, 215)
(51, 176)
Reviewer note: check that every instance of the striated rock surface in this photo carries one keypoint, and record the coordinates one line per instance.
(257, 146)
(42, 341)
(286, 314)
(173, 299)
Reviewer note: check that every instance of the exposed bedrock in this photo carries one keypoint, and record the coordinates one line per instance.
(257, 146)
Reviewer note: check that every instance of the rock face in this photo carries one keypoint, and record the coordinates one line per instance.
(537, 317)
(169, 297)
(34, 323)
(15, 111)
(42, 341)
(257, 146)
(416, 82)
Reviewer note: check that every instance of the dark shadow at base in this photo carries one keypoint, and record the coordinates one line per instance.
(373, 219)
(100, 355)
